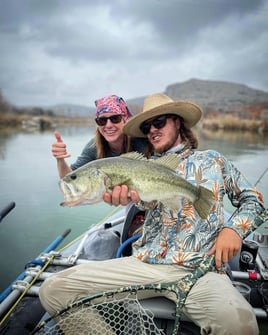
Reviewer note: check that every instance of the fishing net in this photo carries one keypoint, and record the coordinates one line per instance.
(119, 312)
(113, 316)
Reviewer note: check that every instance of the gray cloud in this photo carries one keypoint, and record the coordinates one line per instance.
(76, 51)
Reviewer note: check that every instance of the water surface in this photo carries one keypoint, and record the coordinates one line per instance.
(28, 176)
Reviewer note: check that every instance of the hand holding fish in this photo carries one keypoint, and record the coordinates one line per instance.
(121, 196)
(226, 246)
(59, 147)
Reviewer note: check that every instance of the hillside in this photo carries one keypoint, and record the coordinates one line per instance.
(212, 95)
(217, 95)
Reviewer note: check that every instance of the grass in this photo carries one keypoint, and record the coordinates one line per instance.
(232, 123)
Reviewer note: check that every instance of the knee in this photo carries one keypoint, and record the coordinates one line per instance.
(241, 321)
(48, 295)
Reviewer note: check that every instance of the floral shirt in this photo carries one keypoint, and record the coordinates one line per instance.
(184, 238)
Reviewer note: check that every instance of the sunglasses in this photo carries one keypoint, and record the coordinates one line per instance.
(101, 121)
(158, 123)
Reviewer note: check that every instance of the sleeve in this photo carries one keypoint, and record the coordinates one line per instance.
(88, 154)
(245, 197)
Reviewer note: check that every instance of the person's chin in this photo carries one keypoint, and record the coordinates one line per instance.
(159, 149)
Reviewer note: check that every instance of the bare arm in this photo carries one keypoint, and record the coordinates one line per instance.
(60, 153)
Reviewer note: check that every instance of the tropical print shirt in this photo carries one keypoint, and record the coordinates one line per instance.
(184, 238)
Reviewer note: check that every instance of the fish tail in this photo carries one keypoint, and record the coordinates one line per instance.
(204, 202)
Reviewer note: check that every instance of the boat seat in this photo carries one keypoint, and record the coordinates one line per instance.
(133, 221)
(161, 307)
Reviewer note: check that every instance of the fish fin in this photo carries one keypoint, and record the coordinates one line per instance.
(134, 155)
(173, 203)
(170, 161)
(204, 202)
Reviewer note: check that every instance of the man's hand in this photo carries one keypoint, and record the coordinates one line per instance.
(120, 196)
(226, 246)
(59, 148)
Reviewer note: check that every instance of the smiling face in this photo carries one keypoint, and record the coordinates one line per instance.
(112, 132)
(165, 138)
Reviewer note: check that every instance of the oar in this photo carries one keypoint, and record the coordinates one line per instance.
(6, 210)
(36, 261)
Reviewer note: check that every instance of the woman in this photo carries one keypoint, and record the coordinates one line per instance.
(109, 141)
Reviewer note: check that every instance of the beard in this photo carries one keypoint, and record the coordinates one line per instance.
(172, 142)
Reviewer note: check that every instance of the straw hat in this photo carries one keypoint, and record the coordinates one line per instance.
(160, 104)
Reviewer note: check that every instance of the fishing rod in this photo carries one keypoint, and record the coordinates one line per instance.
(6, 210)
(256, 183)
(260, 178)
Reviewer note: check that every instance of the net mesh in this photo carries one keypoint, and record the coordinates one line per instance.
(119, 311)
(113, 316)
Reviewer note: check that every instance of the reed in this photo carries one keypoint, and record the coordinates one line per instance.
(233, 123)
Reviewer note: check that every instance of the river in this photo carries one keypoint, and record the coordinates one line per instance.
(28, 176)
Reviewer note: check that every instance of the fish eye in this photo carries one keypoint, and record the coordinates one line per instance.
(73, 176)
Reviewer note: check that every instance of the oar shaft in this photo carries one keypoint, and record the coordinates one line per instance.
(57, 241)
(51, 247)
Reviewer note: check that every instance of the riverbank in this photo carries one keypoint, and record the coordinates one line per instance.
(43, 122)
(230, 123)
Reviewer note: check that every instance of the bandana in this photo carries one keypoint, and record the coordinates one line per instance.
(112, 104)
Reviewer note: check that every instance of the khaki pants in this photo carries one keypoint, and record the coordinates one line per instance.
(213, 303)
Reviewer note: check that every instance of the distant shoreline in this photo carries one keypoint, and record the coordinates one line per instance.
(215, 123)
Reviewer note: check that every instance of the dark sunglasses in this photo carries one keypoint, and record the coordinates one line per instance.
(101, 121)
(158, 123)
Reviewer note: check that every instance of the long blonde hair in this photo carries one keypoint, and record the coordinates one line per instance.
(103, 147)
(187, 136)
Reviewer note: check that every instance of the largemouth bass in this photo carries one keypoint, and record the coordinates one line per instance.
(154, 180)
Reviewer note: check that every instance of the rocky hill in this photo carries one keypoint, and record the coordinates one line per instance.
(216, 95)
(213, 95)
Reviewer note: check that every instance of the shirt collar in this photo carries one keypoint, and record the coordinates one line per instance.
(181, 149)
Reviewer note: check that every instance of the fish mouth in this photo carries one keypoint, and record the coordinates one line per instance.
(73, 203)
(74, 197)
(71, 197)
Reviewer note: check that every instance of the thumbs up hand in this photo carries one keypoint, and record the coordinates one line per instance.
(59, 147)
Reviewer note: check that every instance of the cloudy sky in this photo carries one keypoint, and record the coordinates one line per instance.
(74, 51)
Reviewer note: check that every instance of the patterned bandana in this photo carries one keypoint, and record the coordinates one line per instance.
(112, 104)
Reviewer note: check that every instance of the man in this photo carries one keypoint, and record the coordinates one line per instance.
(173, 244)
